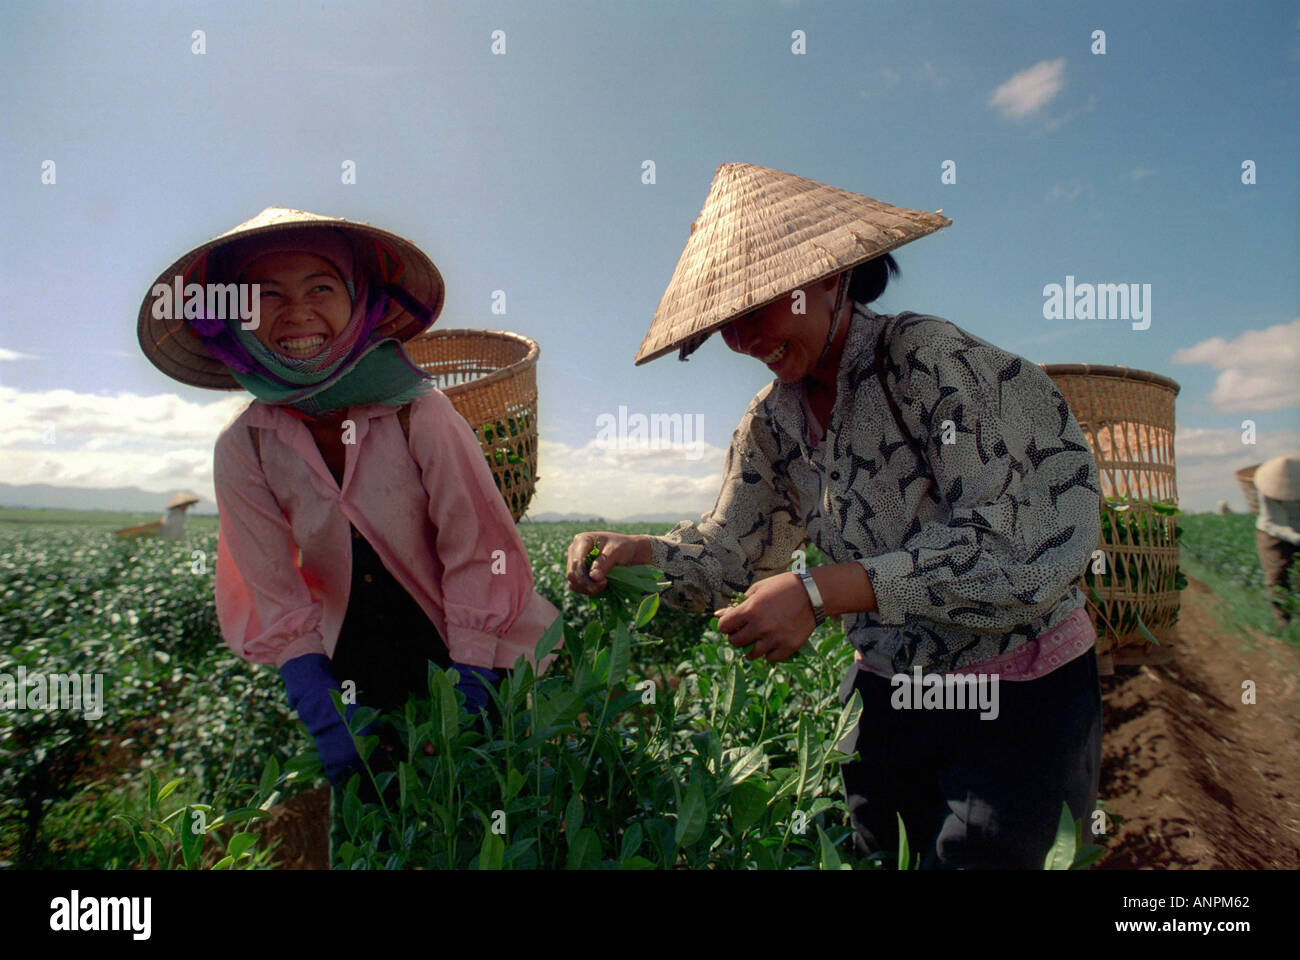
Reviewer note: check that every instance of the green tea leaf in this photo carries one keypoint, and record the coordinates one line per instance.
(584, 850)
(166, 791)
(1061, 855)
(620, 653)
(573, 817)
(239, 815)
(691, 816)
(830, 858)
(742, 768)
(848, 719)
(269, 778)
(1087, 856)
(492, 852)
(448, 708)
(632, 840)
(240, 843)
(1142, 628)
(550, 639)
(802, 751)
(646, 612)
(191, 841)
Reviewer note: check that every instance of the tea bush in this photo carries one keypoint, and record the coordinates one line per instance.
(650, 743)
(594, 766)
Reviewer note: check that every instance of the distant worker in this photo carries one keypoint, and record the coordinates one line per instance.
(1223, 507)
(1277, 531)
(173, 524)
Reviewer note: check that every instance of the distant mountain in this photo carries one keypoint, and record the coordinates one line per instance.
(596, 521)
(44, 496)
(563, 518)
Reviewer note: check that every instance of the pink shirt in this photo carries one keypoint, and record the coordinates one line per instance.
(1072, 637)
(429, 508)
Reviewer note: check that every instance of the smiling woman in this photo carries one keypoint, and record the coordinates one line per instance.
(304, 302)
(945, 480)
(362, 537)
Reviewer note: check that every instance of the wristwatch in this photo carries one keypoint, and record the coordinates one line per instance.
(814, 595)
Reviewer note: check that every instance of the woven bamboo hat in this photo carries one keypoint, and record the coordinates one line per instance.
(181, 500)
(1279, 478)
(761, 234)
(175, 349)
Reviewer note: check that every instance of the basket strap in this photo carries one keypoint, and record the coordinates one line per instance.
(256, 436)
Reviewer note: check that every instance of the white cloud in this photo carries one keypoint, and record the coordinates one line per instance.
(612, 483)
(1260, 368)
(164, 443)
(1061, 192)
(891, 76)
(159, 443)
(1207, 460)
(1029, 91)
(934, 75)
(1139, 173)
(15, 355)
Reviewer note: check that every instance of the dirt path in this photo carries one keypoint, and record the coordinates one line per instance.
(1200, 779)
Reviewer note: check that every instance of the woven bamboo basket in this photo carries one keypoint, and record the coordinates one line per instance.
(1246, 478)
(490, 376)
(1128, 417)
(151, 529)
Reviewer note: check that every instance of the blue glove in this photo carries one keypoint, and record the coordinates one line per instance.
(472, 684)
(309, 681)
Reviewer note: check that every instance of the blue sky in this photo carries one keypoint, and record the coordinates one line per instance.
(522, 172)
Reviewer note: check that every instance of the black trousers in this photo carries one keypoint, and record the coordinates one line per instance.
(974, 793)
(385, 647)
(1276, 557)
(386, 641)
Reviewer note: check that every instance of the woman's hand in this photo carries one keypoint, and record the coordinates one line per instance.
(616, 550)
(776, 617)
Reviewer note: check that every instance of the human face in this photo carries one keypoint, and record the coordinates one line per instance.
(304, 304)
(788, 343)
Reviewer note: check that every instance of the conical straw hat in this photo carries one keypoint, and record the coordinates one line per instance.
(181, 500)
(175, 349)
(761, 234)
(1279, 478)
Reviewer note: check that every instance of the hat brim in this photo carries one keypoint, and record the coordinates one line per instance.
(1279, 478)
(762, 234)
(174, 348)
(698, 337)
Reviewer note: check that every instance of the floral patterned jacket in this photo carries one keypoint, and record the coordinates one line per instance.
(973, 549)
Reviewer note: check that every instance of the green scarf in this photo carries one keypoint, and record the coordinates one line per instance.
(381, 373)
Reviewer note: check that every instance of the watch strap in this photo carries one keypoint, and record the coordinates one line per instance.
(815, 596)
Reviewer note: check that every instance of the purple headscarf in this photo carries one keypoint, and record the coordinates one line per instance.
(228, 263)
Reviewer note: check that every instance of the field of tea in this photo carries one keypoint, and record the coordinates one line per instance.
(652, 744)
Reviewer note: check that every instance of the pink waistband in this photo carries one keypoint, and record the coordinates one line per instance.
(1069, 639)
